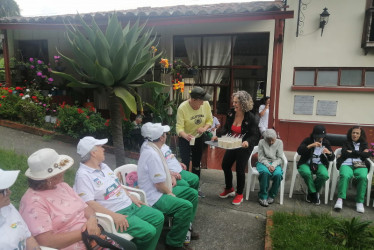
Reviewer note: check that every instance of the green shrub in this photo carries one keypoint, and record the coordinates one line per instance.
(79, 122)
(30, 113)
(7, 107)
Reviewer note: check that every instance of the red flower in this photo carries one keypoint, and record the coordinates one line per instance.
(34, 97)
(87, 117)
(62, 105)
(10, 91)
(0, 104)
(80, 111)
(21, 94)
(3, 96)
(107, 123)
(92, 109)
(18, 88)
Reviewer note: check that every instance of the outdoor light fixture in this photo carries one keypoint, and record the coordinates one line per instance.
(323, 19)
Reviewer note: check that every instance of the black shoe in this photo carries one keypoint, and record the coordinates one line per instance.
(313, 198)
(309, 198)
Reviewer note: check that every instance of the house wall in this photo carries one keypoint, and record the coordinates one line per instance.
(340, 46)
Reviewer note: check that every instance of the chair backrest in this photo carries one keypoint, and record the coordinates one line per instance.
(128, 175)
(254, 151)
(336, 139)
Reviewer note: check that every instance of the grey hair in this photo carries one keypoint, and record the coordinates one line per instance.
(87, 157)
(269, 134)
(245, 100)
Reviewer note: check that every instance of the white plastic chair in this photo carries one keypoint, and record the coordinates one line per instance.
(253, 173)
(107, 222)
(295, 173)
(335, 177)
(122, 171)
(47, 248)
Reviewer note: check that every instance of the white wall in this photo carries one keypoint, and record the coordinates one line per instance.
(340, 46)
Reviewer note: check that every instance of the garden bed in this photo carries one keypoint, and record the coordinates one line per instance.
(316, 231)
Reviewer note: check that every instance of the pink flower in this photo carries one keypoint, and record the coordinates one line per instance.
(44, 105)
(44, 76)
(39, 73)
(40, 62)
(32, 66)
(56, 57)
(50, 79)
(31, 59)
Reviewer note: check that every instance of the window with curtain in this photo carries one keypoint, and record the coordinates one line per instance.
(226, 63)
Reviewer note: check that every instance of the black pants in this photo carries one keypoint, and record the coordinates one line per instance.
(241, 157)
(195, 152)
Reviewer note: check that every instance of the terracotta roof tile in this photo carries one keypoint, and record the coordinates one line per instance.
(157, 12)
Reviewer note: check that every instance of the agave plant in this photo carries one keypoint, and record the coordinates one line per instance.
(112, 60)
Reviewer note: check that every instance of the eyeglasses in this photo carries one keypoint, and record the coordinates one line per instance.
(4, 192)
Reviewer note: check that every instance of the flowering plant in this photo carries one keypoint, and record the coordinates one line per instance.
(38, 74)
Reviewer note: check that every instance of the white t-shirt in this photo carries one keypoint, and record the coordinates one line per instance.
(13, 229)
(173, 163)
(316, 155)
(264, 120)
(101, 186)
(349, 161)
(150, 171)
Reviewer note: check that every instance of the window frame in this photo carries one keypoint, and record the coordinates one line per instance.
(338, 87)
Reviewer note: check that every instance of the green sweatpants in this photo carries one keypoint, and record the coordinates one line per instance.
(189, 194)
(346, 173)
(145, 225)
(188, 180)
(264, 179)
(315, 185)
(181, 211)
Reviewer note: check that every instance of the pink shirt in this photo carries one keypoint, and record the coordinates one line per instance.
(58, 210)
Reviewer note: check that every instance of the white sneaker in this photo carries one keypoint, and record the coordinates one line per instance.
(338, 205)
(360, 207)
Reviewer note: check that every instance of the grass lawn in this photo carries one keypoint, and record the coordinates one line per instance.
(320, 231)
(12, 161)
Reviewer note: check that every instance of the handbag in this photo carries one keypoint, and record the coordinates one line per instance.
(359, 164)
(99, 242)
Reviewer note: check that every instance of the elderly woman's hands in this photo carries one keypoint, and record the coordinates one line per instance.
(245, 144)
(91, 226)
(120, 221)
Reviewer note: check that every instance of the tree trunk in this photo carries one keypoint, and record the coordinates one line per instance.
(116, 128)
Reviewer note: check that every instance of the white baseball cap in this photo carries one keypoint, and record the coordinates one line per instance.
(153, 131)
(46, 163)
(7, 178)
(86, 144)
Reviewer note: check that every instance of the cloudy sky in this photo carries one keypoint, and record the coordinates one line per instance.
(58, 7)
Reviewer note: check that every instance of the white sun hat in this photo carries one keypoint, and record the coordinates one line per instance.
(7, 178)
(153, 131)
(46, 163)
(86, 144)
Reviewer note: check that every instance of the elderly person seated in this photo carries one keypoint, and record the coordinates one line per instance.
(352, 163)
(100, 188)
(315, 153)
(55, 214)
(155, 179)
(178, 170)
(270, 153)
(14, 231)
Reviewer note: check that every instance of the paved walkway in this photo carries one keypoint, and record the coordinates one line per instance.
(221, 225)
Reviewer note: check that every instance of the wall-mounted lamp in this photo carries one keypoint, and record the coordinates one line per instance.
(323, 19)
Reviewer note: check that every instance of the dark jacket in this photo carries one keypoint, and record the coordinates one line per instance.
(348, 145)
(249, 127)
(307, 154)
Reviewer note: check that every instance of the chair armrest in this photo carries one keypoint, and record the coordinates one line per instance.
(140, 193)
(107, 222)
(47, 248)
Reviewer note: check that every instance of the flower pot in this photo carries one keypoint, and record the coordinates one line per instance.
(53, 119)
(47, 118)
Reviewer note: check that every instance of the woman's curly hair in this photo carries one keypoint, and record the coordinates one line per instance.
(245, 100)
